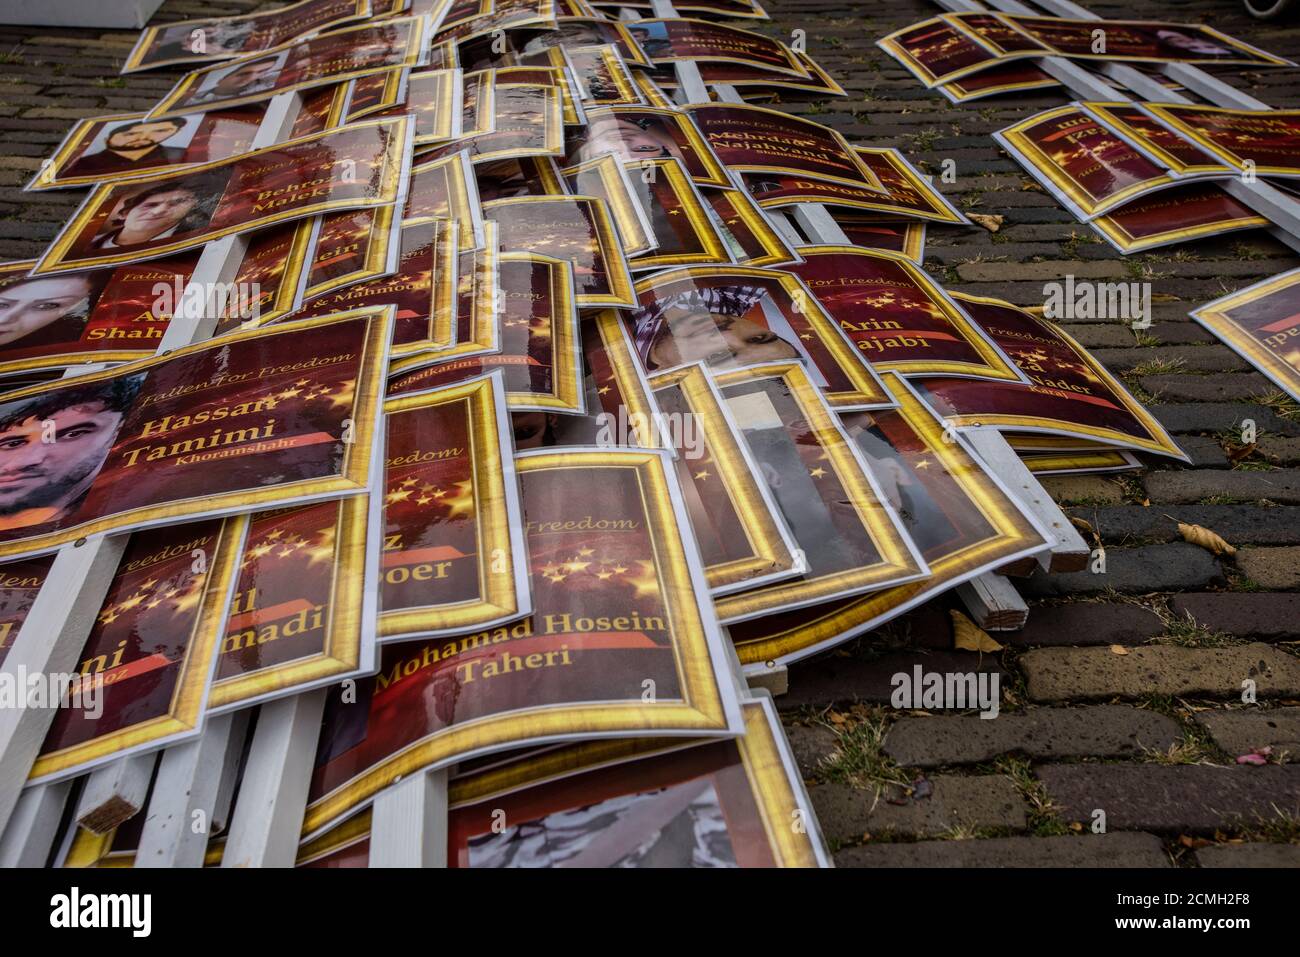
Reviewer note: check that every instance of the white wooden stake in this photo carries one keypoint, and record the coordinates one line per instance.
(115, 793)
(268, 816)
(409, 822)
(179, 821)
(29, 839)
(60, 618)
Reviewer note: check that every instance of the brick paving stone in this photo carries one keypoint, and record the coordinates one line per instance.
(1199, 358)
(1259, 615)
(1087, 623)
(1172, 799)
(1247, 729)
(1221, 417)
(1238, 524)
(1120, 850)
(1102, 731)
(1280, 485)
(1273, 568)
(1080, 674)
(812, 745)
(1244, 855)
(981, 801)
(1181, 387)
(1100, 336)
(835, 679)
(1048, 271)
(1281, 449)
(1092, 489)
(1204, 451)
(1173, 567)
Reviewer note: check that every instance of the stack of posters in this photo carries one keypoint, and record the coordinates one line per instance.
(526, 424)
(1145, 175)
(970, 55)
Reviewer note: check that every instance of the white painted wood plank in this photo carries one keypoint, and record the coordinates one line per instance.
(179, 820)
(115, 793)
(409, 822)
(993, 603)
(268, 815)
(29, 838)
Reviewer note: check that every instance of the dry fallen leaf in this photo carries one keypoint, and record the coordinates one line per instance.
(836, 718)
(991, 223)
(1237, 453)
(1118, 650)
(968, 636)
(1210, 541)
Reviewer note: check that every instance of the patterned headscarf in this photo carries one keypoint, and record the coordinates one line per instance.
(724, 300)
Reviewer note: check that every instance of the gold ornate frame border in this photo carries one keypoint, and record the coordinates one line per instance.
(995, 366)
(622, 292)
(715, 174)
(1158, 440)
(1014, 534)
(1217, 318)
(617, 196)
(362, 9)
(770, 552)
(1115, 234)
(416, 43)
(866, 389)
(898, 559)
(701, 710)
(1169, 115)
(502, 596)
(869, 178)
(393, 167)
(62, 359)
(341, 649)
(185, 710)
(1104, 113)
(1055, 177)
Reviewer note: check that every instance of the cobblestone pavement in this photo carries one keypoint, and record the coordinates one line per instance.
(1123, 693)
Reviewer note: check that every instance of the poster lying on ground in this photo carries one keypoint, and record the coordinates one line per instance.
(356, 167)
(620, 600)
(252, 420)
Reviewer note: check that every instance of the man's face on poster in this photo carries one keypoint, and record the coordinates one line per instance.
(249, 76)
(142, 135)
(28, 306)
(157, 214)
(37, 474)
(696, 335)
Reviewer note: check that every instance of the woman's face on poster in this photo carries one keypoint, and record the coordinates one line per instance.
(696, 335)
(26, 307)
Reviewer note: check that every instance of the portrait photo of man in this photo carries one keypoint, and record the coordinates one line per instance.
(135, 145)
(159, 212)
(257, 75)
(52, 447)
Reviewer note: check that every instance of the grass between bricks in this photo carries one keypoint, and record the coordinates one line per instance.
(1195, 745)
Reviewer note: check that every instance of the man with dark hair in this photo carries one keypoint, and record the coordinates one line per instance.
(53, 445)
(177, 207)
(133, 147)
